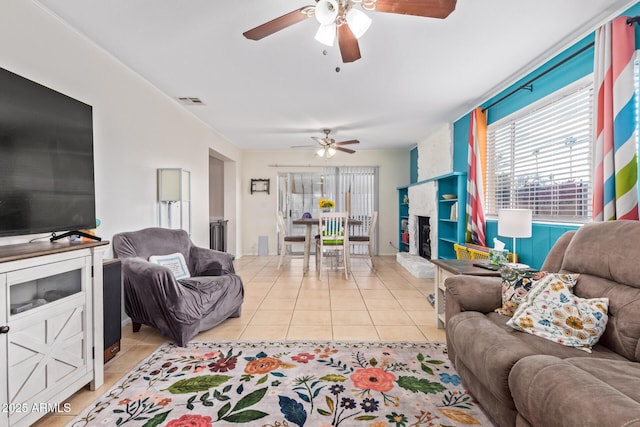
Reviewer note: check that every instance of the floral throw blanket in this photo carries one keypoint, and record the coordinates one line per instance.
(289, 384)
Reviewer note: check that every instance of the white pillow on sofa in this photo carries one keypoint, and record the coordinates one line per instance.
(552, 311)
(174, 262)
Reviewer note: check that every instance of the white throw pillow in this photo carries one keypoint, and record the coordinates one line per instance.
(174, 262)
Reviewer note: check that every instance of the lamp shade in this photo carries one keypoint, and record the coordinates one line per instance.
(514, 222)
(173, 185)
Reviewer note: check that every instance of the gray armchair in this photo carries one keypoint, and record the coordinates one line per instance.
(179, 307)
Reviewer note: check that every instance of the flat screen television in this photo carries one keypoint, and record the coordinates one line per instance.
(46, 159)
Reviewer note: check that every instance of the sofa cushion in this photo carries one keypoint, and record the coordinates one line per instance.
(487, 351)
(605, 255)
(553, 312)
(551, 392)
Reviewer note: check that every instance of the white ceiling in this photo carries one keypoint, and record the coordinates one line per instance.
(415, 75)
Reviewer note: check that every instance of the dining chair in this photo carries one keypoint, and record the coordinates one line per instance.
(286, 240)
(333, 238)
(366, 240)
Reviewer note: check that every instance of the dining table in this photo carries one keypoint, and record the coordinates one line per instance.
(309, 223)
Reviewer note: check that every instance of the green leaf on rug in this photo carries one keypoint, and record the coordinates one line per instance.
(334, 378)
(224, 410)
(245, 416)
(194, 385)
(250, 399)
(426, 368)
(157, 420)
(293, 411)
(420, 384)
(365, 418)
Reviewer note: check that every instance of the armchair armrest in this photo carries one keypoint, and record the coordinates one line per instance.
(472, 293)
(149, 290)
(209, 262)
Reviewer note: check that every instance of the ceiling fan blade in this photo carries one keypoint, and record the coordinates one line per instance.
(427, 8)
(280, 23)
(346, 150)
(352, 141)
(348, 44)
(319, 140)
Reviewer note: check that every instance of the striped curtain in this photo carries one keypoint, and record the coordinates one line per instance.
(615, 194)
(477, 163)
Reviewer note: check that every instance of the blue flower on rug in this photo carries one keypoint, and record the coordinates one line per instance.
(289, 384)
(449, 379)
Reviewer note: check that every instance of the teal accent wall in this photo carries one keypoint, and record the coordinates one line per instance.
(461, 144)
(413, 165)
(533, 250)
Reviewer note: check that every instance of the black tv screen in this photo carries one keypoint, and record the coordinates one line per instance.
(46, 159)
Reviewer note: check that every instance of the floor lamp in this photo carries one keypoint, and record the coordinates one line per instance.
(514, 223)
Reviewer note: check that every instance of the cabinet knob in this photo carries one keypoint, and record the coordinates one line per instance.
(4, 329)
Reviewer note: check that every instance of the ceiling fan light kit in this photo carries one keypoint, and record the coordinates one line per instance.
(341, 19)
(326, 152)
(358, 21)
(326, 34)
(326, 11)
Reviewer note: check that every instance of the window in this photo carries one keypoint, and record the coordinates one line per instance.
(353, 189)
(540, 158)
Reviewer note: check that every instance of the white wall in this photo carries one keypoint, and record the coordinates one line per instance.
(435, 154)
(137, 129)
(259, 209)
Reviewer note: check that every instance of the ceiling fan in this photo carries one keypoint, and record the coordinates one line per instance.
(342, 19)
(329, 146)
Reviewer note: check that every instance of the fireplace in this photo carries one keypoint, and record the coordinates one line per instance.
(424, 237)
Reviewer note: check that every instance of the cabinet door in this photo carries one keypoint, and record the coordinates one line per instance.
(48, 345)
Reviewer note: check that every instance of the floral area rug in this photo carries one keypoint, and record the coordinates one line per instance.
(289, 384)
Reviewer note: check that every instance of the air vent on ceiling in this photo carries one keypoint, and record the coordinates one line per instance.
(190, 100)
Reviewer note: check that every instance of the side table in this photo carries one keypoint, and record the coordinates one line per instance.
(450, 267)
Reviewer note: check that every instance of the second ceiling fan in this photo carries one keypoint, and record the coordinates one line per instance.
(342, 19)
(328, 146)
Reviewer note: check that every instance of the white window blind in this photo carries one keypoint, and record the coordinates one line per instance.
(541, 157)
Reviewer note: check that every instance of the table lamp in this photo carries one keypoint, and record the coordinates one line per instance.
(514, 223)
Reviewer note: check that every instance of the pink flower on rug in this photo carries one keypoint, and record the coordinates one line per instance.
(303, 357)
(209, 355)
(189, 420)
(373, 379)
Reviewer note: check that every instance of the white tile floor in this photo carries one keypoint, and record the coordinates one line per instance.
(387, 304)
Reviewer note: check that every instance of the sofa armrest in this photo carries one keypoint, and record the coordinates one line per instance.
(472, 293)
(209, 262)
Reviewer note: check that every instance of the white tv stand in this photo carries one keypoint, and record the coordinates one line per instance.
(51, 326)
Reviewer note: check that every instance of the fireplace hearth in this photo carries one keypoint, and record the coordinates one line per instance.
(424, 237)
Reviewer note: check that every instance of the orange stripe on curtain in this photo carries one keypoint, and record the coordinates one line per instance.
(481, 131)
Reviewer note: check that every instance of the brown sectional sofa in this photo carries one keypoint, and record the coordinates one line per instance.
(523, 380)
